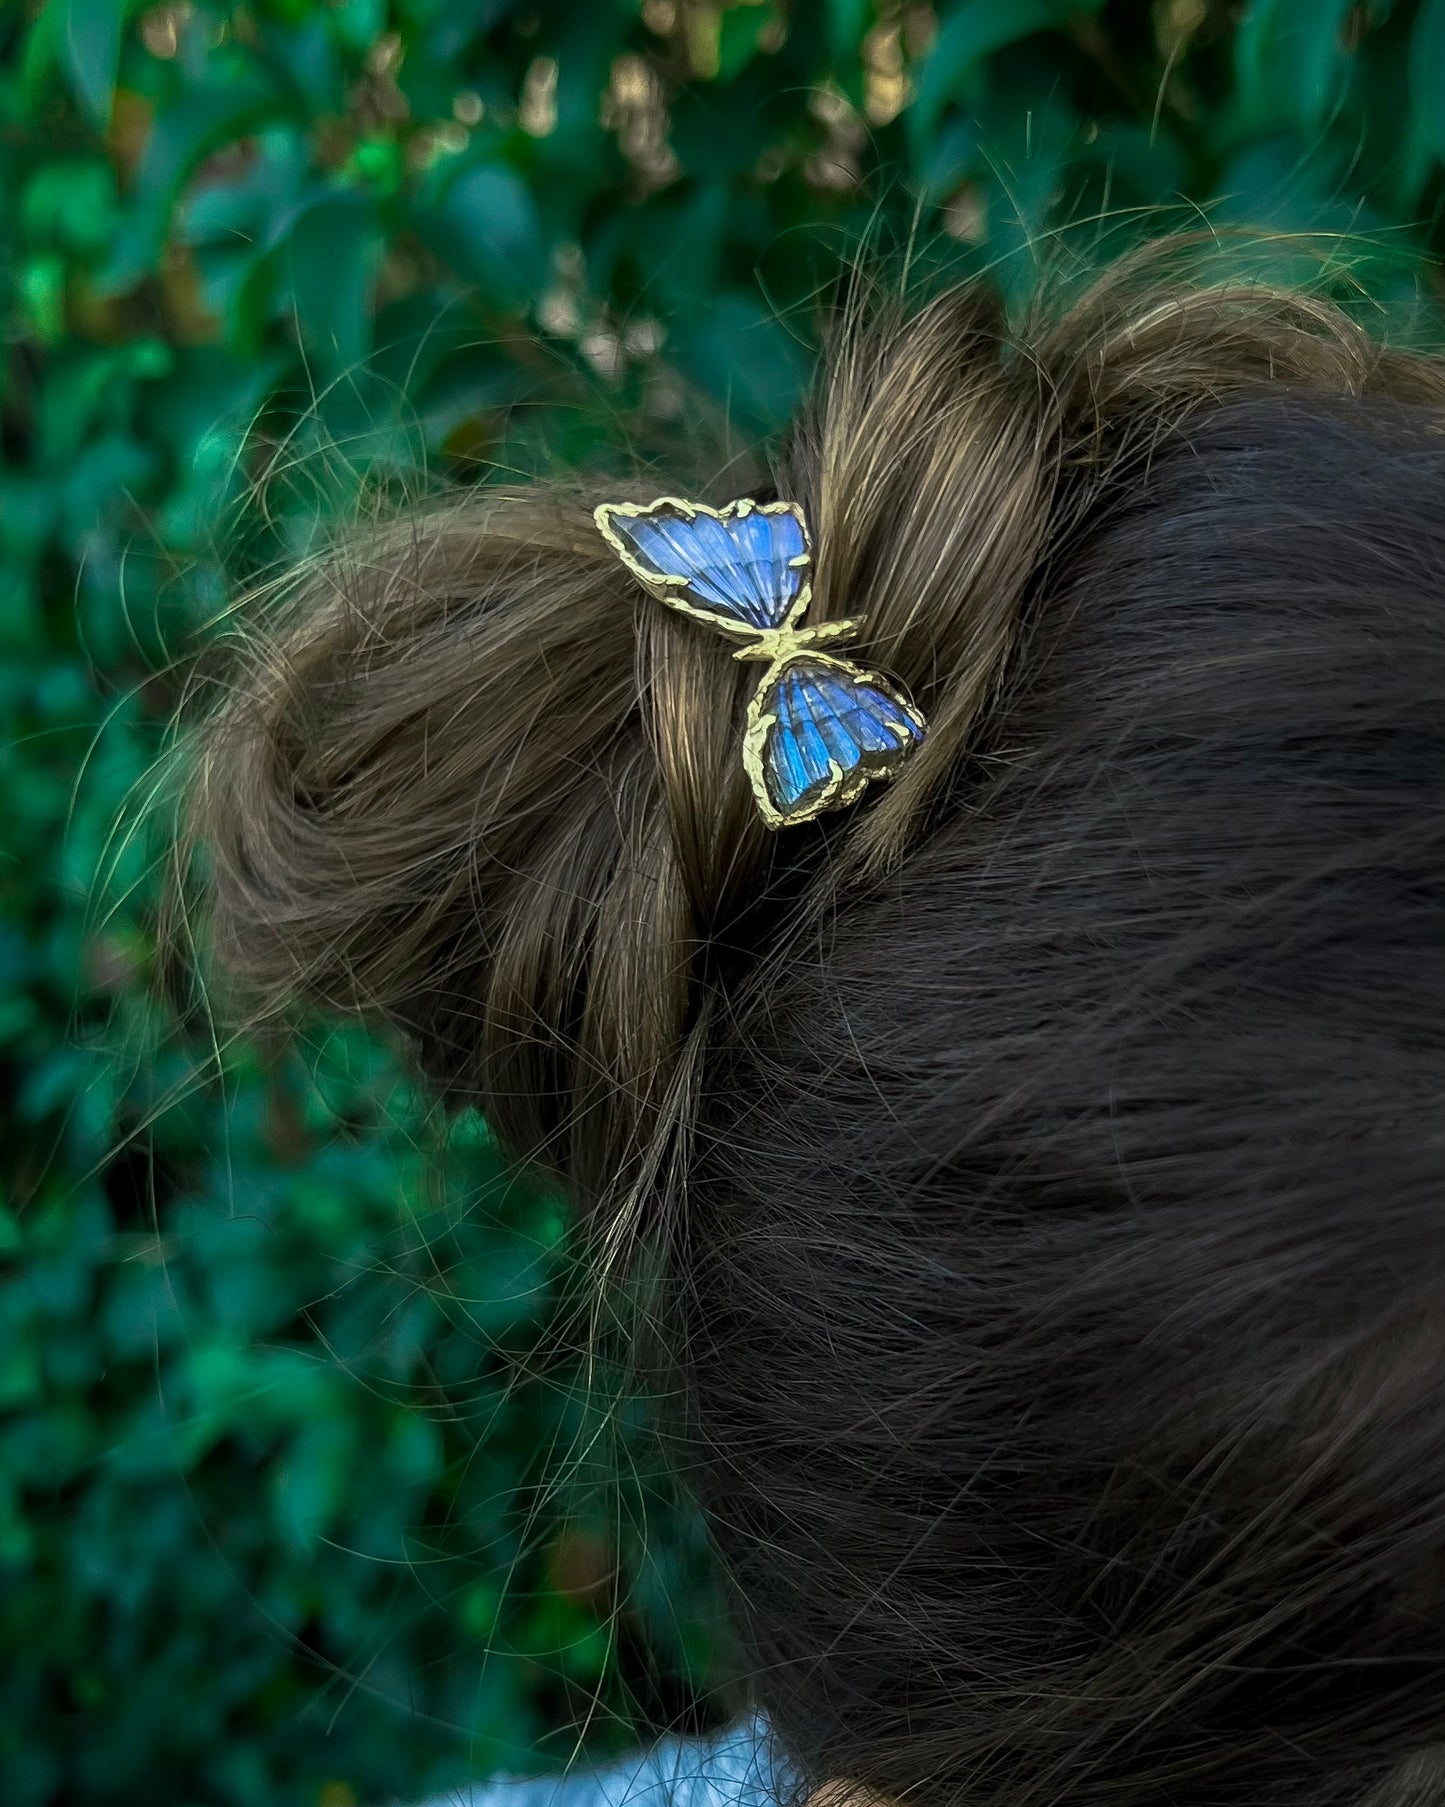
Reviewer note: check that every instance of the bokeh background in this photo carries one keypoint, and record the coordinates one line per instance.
(301, 1501)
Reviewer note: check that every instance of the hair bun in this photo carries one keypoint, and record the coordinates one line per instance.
(433, 794)
(471, 779)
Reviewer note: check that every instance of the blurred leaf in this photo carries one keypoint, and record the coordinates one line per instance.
(200, 121)
(209, 387)
(333, 248)
(1291, 59)
(738, 39)
(72, 204)
(721, 134)
(20, 1370)
(41, 292)
(586, 40)
(302, 53)
(746, 359)
(966, 38)
(488, 229)
(680, 244)
(88, 34)
(848, 22)
(360, 23)
(312, 1480)
(953, 154)
(1139, 165)
(1427, 75)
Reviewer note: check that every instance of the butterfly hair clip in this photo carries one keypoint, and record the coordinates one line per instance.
(819, 727)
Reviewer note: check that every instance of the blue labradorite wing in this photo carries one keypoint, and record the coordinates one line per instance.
(740, 566)
(823, 729)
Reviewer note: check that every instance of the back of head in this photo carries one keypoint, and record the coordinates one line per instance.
(1046, 1151)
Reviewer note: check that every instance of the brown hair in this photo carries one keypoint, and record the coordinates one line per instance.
(1046, 1150)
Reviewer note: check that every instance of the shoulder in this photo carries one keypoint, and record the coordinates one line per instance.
(738, 1768)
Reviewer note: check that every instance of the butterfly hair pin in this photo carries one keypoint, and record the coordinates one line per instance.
(819, 727)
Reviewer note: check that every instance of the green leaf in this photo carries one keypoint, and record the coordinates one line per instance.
(21, 1376)
(71, 204)
(965, 39)
(210, 388)
(87, 36)
(213, 113)
(304, 55)
(358, 23)
(332, 251)
(737, 43)
(82, 383)
(41, 291)
(679, 246)
(848, 22)
(1427, 76)
(312, 1479)
(719, 134)
(953, 154)
(487, 227)
(745, 358)
(1140, 165)
(586, 38)
(1291, 60)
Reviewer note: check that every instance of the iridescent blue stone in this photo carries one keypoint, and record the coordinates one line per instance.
(740, 567)
(824, 714)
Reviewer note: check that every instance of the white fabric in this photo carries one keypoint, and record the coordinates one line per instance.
(739, 1768)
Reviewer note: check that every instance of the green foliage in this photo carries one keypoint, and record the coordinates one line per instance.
(286, 1517)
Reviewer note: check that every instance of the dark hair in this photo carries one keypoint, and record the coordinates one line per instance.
(1046, 1152)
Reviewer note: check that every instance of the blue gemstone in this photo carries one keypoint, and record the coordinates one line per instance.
(825, 714)
(739, 567)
